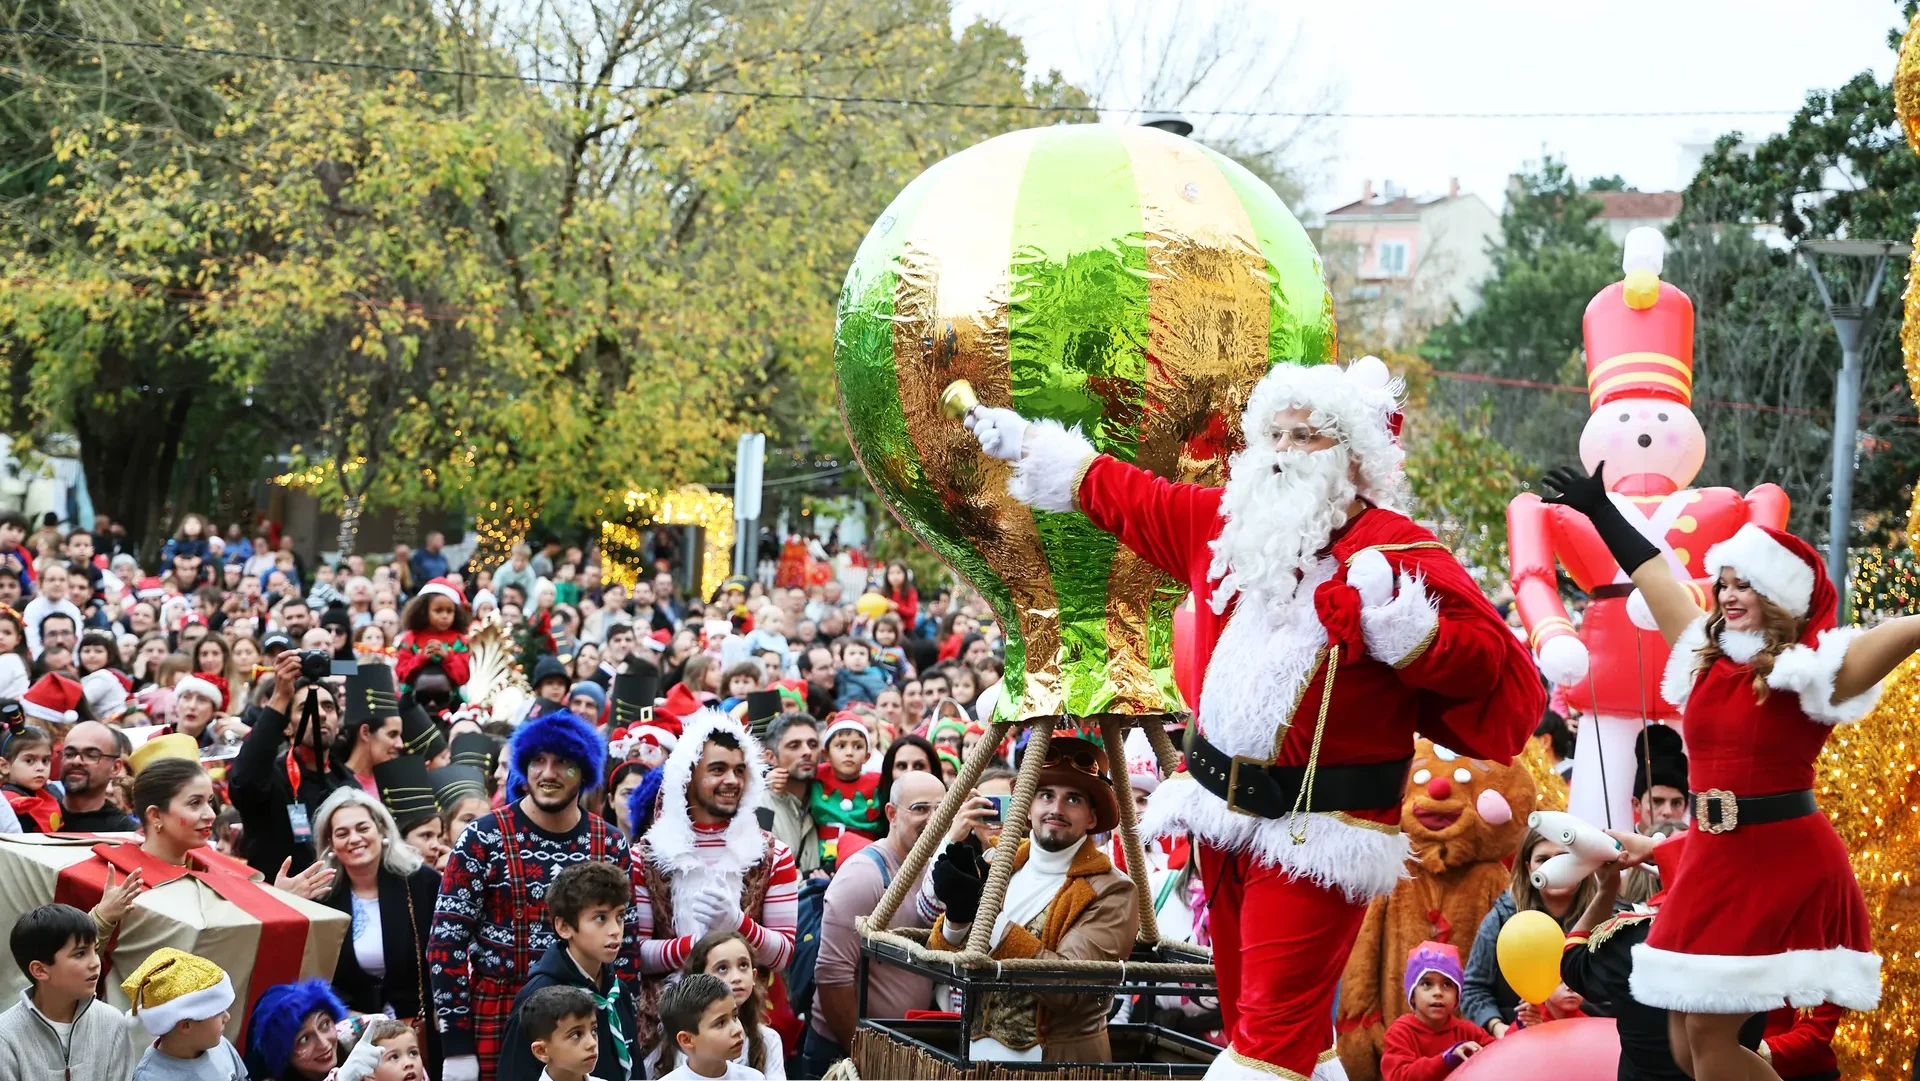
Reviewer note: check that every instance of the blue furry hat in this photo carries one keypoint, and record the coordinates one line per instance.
(560, 732)
(276, 1022)
(640, 803)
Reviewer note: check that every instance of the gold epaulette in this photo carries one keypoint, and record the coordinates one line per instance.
(1614, 923)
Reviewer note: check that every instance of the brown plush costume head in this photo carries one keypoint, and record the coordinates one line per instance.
(1461, 810)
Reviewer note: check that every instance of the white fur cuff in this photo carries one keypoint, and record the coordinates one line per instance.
(1676, 683)
(1399, 631)
(1811, 672)
(1047, 476)
(1726, 983)
(1361, 861)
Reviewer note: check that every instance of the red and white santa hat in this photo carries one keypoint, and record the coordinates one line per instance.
(200, 685)
(654, 735)
(658, 641)
(846, 721)
(1778, 565)
(54, 699)
(441, 587)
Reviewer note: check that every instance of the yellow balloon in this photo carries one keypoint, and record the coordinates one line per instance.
(1529, 952)
(871, 605)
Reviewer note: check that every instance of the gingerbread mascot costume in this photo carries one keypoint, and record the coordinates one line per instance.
(1463, 817)
(1330, 629)
(1639, 345)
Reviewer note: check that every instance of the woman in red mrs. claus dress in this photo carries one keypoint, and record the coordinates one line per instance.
(1764, 911)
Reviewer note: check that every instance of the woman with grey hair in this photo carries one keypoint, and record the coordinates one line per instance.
(390, 893)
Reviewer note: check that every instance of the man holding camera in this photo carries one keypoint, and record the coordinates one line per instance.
(276, 791)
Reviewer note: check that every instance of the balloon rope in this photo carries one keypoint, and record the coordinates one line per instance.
(1032, 761)
(934, 836)
(1114, 736)
(1156, 728)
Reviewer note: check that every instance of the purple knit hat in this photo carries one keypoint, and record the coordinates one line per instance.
(1438, 958)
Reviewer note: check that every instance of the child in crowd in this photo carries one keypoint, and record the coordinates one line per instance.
(435, 621)
(1429, 1041)
(857, 680)
(184, 1001)
(698, 1016)
(728, 957)
(58, 1028)
(586, 902)
(28, 752)
(740, 680)
(388, 1051)
(560, 1022)
(845, 798)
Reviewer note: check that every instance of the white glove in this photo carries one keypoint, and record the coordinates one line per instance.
(998, 430)
(1564, 660)
(1372, 577)
(729, 916)
(365, 1058)
(705, 909)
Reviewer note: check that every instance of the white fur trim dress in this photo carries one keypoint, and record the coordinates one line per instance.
(1766, 915)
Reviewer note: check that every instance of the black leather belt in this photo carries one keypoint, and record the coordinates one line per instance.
(1252, 787)
(1719, 811)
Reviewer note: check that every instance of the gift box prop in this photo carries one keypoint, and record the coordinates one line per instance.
(261, 936)
(1135, 284)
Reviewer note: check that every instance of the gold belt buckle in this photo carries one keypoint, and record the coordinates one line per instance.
(1233, 782)
(1729, 808)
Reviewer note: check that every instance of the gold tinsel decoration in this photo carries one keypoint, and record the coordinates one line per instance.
(1538, 763)
(1866, 776)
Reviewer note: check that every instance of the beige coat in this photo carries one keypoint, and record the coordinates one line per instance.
(1092, 918)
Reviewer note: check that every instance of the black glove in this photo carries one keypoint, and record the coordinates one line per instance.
(1588, 495)
(958, 877)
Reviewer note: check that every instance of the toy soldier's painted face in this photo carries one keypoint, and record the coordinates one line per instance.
(1644, 436)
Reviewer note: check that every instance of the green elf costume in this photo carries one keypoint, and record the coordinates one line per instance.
(845, 806)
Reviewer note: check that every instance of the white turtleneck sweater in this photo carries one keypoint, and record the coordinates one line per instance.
(1031, 889)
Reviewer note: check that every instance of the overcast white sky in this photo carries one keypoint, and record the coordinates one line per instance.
(1483, 56)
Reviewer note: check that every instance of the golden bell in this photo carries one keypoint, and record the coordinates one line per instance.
(958, 399)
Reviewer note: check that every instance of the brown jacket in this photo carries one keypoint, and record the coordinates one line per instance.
(1092, 918)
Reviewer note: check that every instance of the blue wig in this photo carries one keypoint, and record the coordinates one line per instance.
(562, 733)
(640, 803)
(276, 1021)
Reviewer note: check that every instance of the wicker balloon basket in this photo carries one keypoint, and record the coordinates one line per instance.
(939, 1048)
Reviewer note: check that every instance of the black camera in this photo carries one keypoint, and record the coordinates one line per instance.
(315, 665)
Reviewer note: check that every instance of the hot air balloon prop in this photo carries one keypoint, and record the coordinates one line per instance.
(1126, 280)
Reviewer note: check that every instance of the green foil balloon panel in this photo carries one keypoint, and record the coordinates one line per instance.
(1124, 280)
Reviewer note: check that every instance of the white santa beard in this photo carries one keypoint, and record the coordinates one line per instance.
(1278, 519)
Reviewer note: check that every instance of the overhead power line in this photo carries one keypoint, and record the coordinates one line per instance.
(865, 99)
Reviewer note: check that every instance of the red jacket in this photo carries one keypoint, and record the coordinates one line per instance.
(1414, 1052)
(1800, 1042)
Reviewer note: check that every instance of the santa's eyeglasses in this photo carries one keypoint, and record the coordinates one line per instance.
(1300, 435)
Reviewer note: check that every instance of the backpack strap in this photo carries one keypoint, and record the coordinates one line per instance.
(886, 876)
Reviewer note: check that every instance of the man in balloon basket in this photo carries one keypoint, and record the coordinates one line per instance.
(1331, 628)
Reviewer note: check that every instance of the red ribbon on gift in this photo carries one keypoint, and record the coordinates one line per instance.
(283, 930)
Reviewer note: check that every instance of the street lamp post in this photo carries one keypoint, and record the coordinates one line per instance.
(1852, 319)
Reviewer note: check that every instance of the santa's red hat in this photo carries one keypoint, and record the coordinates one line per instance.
(442, 587)
(658, 641)
(54, 699)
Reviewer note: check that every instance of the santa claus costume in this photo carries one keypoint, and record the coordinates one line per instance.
(1794, 931)
(1331, 628)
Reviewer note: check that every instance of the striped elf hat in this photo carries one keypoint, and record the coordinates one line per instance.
(1122, 279)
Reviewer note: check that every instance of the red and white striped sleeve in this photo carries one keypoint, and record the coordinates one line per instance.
(772, 935)
(657, 955)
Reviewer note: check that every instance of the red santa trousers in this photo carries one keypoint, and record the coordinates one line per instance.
(1279, 946)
